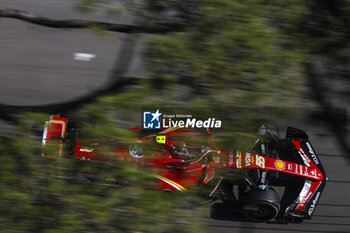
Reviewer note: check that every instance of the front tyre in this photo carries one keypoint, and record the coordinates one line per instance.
(260, 211)
(261, 205)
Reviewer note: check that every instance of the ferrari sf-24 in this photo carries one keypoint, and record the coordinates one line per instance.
(276, 180)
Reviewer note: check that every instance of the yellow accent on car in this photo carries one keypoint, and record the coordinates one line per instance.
(172, 183)
(161, 139)
(240, 160)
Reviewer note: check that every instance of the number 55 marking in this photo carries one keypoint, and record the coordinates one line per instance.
(260, 161)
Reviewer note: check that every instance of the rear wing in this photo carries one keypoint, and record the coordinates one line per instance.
(304, 205)
(55, 131)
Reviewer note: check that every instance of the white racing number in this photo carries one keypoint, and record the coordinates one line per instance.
(260, 161)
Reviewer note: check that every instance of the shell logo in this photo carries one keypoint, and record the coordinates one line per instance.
(279, 164)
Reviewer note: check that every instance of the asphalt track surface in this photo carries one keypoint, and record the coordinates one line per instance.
(37, 66)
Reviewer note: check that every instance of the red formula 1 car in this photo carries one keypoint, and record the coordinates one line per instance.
(247, 183)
